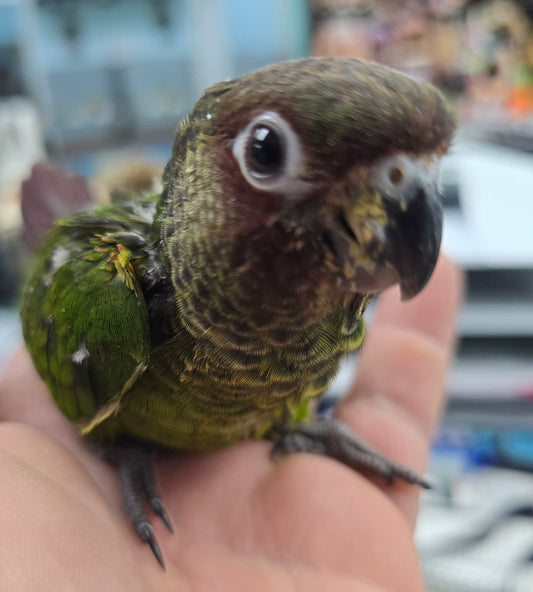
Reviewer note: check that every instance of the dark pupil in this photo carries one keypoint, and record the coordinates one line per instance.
(265, 151)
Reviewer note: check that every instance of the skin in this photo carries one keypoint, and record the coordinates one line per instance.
(241, 522)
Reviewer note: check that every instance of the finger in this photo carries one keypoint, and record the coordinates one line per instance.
(24, 397)
(402, 371)
(54, 521)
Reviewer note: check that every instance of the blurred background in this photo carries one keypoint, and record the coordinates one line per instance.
(99, 87)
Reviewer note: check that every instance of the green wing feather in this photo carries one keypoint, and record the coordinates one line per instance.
(84, 316)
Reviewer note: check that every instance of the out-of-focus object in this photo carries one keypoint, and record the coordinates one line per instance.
(21, 146)
(496, 56)
(10, 334)
(477, 536)
(487, 231)
(342, 28)
(113, 73)
(48, 194)
(130, 179)
(489, 228)
(479, 53)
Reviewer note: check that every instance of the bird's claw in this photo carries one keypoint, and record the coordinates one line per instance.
(138, 486)
(145, 532)
(330, 437)
(159, 509)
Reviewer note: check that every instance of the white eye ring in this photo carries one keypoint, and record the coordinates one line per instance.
(396, 173)
(270, 133)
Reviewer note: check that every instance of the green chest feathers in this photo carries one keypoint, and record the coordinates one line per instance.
(218, 389)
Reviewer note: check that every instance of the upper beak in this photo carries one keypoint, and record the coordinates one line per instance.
(413, 234)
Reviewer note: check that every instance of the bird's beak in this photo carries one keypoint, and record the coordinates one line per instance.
(390, 232)
(413, 235)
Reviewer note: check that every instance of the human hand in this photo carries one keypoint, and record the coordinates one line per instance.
(241, 522)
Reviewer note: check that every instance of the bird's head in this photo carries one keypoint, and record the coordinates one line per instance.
(332, 161)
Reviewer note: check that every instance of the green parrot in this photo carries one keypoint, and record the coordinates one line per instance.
(217, 310)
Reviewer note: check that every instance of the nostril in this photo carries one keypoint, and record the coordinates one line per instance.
(395, 175)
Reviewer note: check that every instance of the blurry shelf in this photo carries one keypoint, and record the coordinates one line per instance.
(487, 377)
(496, 319)
(494, 414)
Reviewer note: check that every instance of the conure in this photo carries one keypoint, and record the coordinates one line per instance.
(217, 310)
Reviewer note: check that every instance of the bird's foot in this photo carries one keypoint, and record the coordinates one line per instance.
(138, 487)
(331, 437)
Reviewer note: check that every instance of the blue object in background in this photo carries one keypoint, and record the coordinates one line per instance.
(9, 25)
(265, 31)
(515, 449)
(109, 72)
(475, 447)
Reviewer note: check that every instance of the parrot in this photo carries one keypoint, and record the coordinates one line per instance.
(220, 308)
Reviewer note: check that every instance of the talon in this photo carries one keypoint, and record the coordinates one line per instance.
(158, 508)
(146, 533)
(412, 478)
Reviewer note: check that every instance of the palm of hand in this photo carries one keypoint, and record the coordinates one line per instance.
(241, 522)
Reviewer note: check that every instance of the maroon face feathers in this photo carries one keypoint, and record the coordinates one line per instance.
(283, 177)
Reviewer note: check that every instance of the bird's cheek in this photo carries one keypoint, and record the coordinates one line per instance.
(366, 217)
(238, 188)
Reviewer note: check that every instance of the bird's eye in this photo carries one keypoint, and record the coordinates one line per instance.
(269, 155)
(265, 152)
